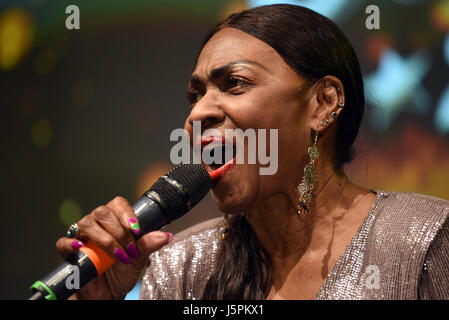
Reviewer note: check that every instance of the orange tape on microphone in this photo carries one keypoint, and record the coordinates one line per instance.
(101, 260)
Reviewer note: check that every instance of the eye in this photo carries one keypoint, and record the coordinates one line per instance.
(235, 82)
(193, 97)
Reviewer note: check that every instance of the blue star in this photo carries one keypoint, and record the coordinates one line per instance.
(442, 111)
(446, 48)
(396, 82)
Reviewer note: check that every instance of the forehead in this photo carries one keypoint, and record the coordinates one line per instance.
(230, 44)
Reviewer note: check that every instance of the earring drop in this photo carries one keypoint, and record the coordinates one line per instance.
(226, 227)
(334, 115)
(341, 104)
(322, 123)
(307, 184)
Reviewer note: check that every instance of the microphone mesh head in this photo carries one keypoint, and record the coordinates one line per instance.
(181, 189)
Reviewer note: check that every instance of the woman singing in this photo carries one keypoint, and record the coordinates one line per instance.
(305, 232)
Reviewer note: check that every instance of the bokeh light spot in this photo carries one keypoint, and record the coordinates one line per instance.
(442, 112)
(69, 212)
(231, 7)
(41, 133)
(16, 34)
(410, 2)
(440, 15)
(149, 176)
(46, 62)
(375, 45)
(331, 9)
(446, 48)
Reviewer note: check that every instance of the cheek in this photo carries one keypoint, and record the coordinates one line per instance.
(188, 129)
(269, 107)
(287, 119)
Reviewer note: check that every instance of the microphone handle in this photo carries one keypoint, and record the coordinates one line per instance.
(91, 261)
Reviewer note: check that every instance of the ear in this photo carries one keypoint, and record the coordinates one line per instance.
(329, 102)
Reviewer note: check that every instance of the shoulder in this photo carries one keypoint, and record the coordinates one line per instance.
(413, 228)
(434, 282)
(181, 269)
(406, 210)
(415, 201)
(408, 214)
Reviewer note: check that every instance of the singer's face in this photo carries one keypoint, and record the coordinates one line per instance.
(240, 82)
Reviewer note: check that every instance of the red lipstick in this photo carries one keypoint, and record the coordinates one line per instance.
(202, 141)
(218, 173)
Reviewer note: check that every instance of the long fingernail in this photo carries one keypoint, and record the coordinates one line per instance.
(122, 256)
(76, 245)
(170, 237)
(134, 224)
(132, 250)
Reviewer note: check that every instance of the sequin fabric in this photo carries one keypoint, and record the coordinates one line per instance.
(400, 251)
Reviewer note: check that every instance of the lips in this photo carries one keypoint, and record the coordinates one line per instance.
(218, 155)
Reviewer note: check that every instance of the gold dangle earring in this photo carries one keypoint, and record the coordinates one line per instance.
(307, 184)
(226, 227)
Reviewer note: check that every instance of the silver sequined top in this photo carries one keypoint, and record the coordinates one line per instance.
(400, 251)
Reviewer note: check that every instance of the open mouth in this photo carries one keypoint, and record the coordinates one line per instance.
(217, 155)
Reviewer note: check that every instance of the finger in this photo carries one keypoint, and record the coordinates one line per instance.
(66, 246)
(110, 220)
(151, 242)
(125, 213)
(89, 229)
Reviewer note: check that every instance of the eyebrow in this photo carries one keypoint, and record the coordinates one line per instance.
(217, 72)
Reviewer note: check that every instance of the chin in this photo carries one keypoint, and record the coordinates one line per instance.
(232, 201)
(229, 208)
(237, 190)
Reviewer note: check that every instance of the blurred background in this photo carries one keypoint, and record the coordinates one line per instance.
(87, 113)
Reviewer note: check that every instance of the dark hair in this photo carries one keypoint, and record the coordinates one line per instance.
(313, 46)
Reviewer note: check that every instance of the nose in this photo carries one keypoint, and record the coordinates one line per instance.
(207, 111)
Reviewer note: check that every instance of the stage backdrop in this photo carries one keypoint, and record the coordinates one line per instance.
(87, 113)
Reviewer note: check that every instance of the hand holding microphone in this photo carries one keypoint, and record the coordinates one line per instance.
(109, 227)
(113, 242)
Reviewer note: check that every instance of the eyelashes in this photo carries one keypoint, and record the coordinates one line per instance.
(193, 97)
(236, 82)
(231, 84)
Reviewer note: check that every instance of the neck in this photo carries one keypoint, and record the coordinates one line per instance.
(284, 234)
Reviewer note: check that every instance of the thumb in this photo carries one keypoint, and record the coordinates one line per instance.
(151, 242)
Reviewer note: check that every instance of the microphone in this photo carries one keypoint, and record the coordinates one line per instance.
(170, 197)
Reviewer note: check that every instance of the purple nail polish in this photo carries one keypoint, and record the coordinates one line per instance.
(122, 256)
(170, 237)
(76, 245)
(132, 250)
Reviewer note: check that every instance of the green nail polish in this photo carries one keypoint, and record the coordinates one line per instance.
(134, 224)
